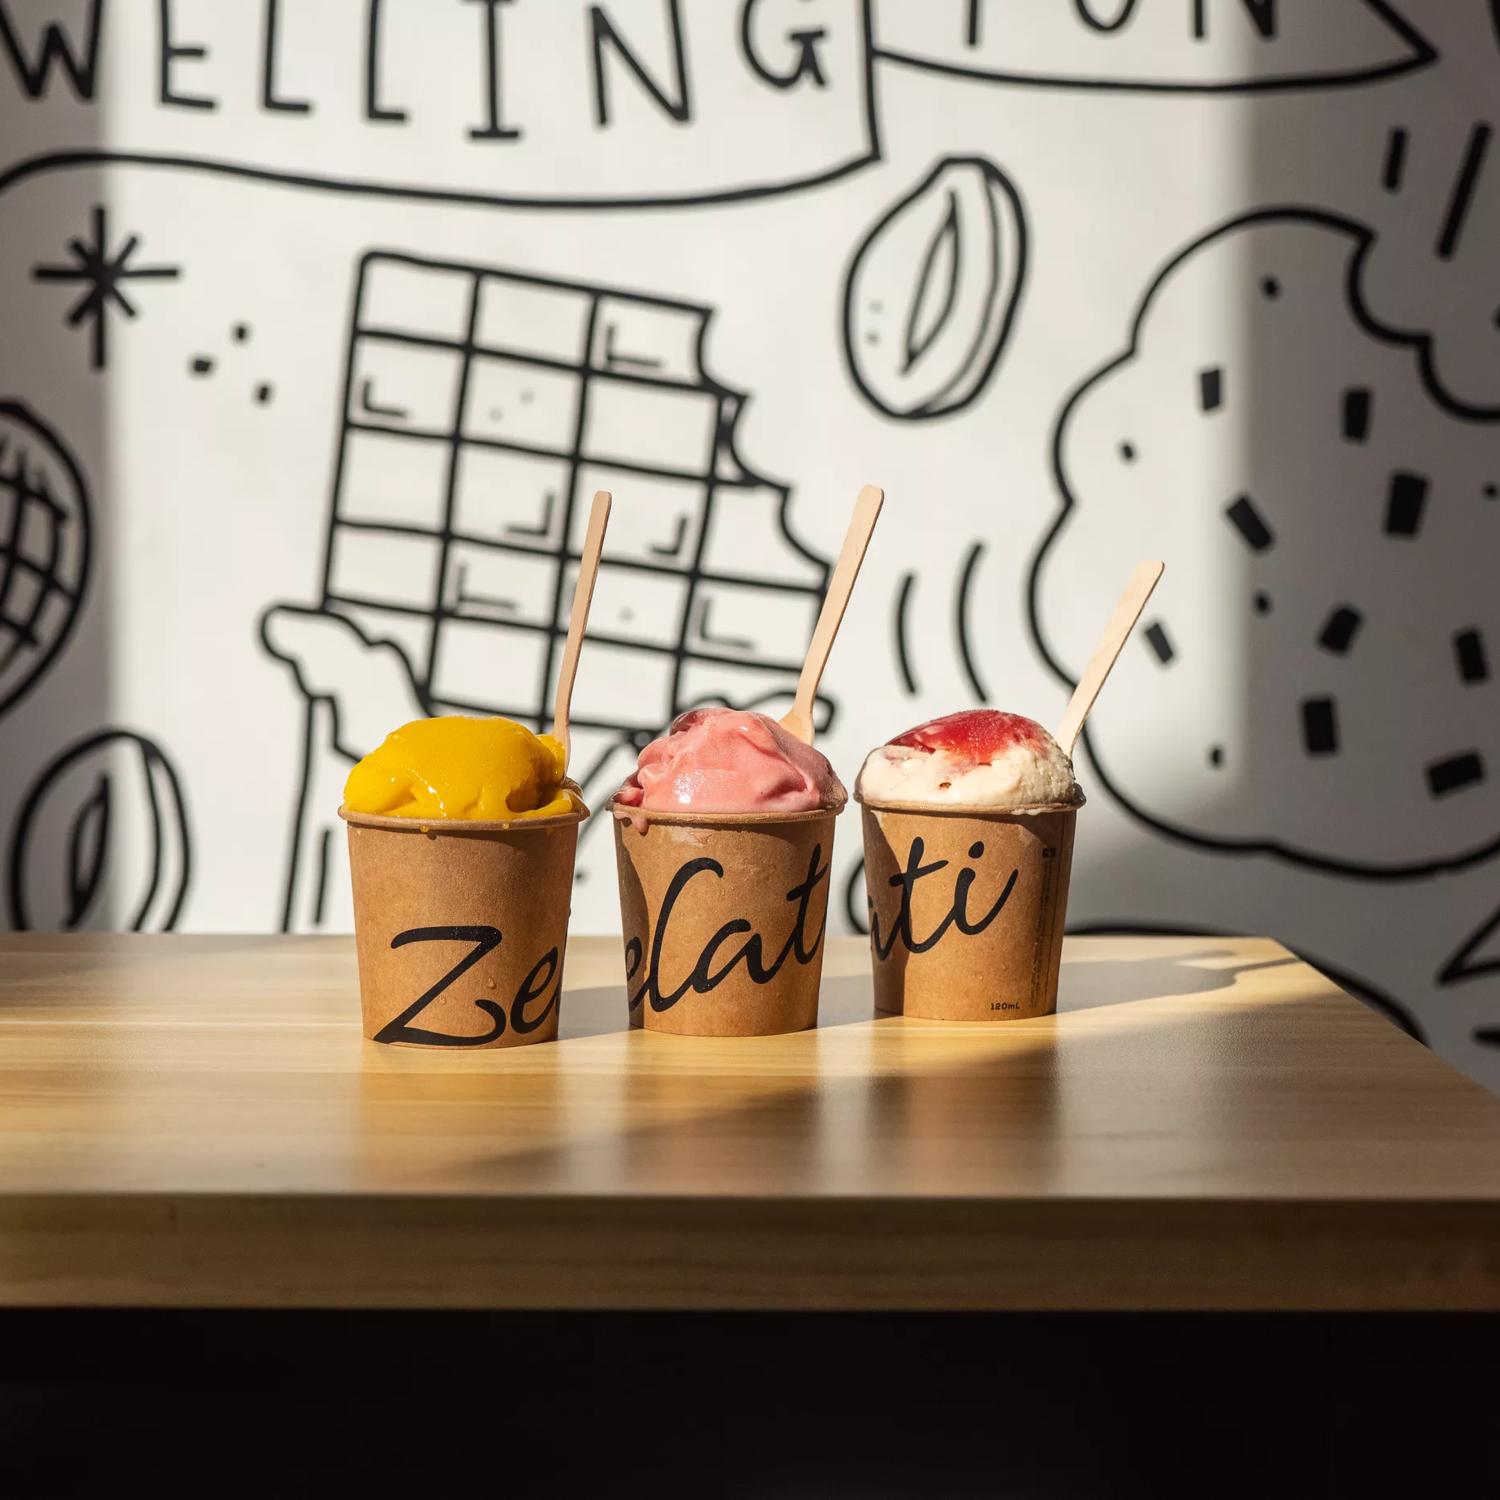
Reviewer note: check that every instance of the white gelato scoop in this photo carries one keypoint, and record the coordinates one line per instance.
(977, 758)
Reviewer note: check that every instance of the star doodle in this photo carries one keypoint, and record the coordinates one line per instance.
(101, 273)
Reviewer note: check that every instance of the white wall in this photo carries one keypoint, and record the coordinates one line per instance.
(1075, 283)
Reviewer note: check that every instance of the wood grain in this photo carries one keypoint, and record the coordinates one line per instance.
(1207, 1123)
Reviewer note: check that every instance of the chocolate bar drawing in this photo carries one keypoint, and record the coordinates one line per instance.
(481, 408)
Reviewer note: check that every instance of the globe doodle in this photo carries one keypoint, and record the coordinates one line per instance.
(44, 548)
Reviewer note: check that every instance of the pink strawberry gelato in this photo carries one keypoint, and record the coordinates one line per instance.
(723, 760)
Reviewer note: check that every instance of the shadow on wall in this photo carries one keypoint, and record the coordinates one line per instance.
(99, 837)
(1328, 467)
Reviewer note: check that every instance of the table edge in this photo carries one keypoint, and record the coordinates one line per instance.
(699, 1253)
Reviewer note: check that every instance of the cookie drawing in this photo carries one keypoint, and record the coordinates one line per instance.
(1318, 683)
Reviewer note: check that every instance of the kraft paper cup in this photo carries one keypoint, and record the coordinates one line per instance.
(460, 927)
(724, 917)
(967, 908)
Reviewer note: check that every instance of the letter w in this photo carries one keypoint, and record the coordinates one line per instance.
(54, 51)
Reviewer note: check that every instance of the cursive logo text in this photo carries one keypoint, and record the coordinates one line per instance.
(485, 940)
(711, 968)
(957, 916)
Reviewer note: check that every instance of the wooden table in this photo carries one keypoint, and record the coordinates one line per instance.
(1207, 1124)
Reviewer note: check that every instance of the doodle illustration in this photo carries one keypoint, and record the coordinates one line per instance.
(482, 408)
(1478, 954)
(323, 322)
(99, 267)
(1156, 45)
(1327, 698)
(44, 548)
(472, 103)
(906, 632)
(932, 290)
(1446, 186)
(102, 840)
(205, 366)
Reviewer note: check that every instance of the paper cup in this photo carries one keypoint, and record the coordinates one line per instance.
(460, 927)
(724, 917)
(967, 908)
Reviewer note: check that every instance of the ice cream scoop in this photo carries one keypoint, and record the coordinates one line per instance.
(976, 758)
(458, 767)
(724, 760)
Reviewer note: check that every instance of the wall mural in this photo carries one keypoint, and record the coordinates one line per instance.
(1385, 451)
(482, 408)
(932, 289)
(44, 561)
(320, 320)
(101, 840)
(1156, 46)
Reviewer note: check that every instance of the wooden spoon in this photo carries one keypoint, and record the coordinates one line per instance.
(798, 720)
(583, 596)
(1121, 623)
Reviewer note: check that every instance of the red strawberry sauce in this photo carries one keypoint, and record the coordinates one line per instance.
(975, 734)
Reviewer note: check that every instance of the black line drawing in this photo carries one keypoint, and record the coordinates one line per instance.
(1339, 631)
(1395, 159)
(102, 840)
(962, 626)
(45, 548)
(901, 621)
(1250, 524)
(1454, 772)
(1450, 210)
(1463, 191)
(481, 407)
(203, 366)
(1154, 46)
(906, 632)
(932, 290)
(100, 270)
(1438, 803)
(1477, 956)
(1469, 656)
(1320, 726)
(797, 69)
(1356, 419)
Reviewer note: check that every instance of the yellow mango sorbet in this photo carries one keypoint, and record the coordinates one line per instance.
(458, 767)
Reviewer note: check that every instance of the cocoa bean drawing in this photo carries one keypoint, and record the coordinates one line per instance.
(932, 291)
(102, 840)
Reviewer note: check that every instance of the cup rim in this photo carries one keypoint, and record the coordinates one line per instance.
(459, 827)
(719, 819)
(970, 810)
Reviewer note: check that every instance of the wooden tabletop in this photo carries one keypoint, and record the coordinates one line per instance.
(1208, 1123)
